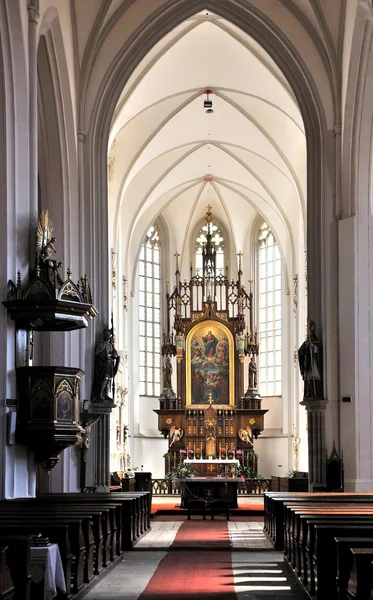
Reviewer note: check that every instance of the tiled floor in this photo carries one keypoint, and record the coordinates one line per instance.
(259, 571)
(243, 535)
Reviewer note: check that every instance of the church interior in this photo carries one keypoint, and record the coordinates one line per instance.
(185, 262)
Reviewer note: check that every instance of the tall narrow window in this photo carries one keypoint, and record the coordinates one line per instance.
(218, 241)
(270, 298)
(149, 315)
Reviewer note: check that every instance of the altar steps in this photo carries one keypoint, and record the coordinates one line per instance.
(171, 507)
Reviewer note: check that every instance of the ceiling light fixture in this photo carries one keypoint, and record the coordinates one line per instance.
(207, 103)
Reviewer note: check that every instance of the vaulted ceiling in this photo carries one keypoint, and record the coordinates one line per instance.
(168, 157)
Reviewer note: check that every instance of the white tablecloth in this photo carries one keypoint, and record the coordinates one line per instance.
(45, 563)
(219, 461)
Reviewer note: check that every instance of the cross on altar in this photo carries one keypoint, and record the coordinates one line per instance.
(210, 468)
(209, 399)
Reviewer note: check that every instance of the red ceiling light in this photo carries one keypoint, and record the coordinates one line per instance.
(207, 103)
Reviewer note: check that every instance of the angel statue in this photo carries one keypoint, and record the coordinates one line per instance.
(176, 433)
(45, 242)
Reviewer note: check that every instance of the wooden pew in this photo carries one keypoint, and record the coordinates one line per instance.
(17, 562)
(345, 560)
(7, 588)
(323, 561)
(315, 566)
(301, 542)
(91, 530)
(295, 529)
(58, 532)
(361, 580)
(274, 508)
(135, 515)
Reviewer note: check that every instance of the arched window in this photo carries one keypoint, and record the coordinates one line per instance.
(150, 315)
(270, 313)
(218, 241)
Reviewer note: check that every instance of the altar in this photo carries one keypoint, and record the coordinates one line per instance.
(215, 467)
(210, 422)
(209, 488)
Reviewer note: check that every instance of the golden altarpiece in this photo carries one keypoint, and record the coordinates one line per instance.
(210, 419)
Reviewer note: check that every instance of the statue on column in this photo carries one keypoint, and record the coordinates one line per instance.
(310, 363)
(106, 367)
(253, 370)
(167, 375)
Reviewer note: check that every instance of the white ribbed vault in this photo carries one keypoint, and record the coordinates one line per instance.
(168, 157)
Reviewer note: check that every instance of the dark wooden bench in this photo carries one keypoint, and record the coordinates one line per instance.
(345, 560)
(219, 507)
(361, 579)
(301, 545)
(135, 514)
(196, 507)
(15, 567)
(308, 523)
(274, 508)
(7, 588)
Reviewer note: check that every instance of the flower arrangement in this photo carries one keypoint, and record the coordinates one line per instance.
(180, 472)
(190, 452)
(231, 451)
(183, 452)
(239, 452)
(198, 450)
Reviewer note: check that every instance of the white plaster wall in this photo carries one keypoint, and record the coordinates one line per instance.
(149, 453)
(272, 454)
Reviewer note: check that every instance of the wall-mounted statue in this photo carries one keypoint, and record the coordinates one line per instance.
(45, 243)
(310, 363)
(106, 367)
(253, 371)
(167, 375)
(246, 435)
(176, 433)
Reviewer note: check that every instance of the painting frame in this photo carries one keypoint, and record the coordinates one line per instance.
(209, 352)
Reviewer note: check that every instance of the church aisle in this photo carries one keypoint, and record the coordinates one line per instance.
(257, 571)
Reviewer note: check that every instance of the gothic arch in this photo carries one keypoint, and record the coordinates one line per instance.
(248, 19)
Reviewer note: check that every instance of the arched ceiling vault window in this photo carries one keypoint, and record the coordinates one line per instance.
(150, 314)
(270, 313)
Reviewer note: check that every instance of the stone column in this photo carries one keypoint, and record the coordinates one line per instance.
(102, 445)
(33, 16)
(315, 408)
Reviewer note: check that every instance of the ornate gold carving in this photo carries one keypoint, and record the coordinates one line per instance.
(168, 421)
(69, 290)
(211, 446)
(113, 269)
(222, 315)
(252, 421)
(125, 293)
(295, 293)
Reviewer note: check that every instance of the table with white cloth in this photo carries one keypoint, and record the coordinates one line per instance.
(46, 564)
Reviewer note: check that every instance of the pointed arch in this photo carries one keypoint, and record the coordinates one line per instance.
(283, 53)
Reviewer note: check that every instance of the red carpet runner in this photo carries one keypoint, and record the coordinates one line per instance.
(192, 575)
(203, 534)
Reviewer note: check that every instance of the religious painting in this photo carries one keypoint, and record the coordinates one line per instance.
(209, 364)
